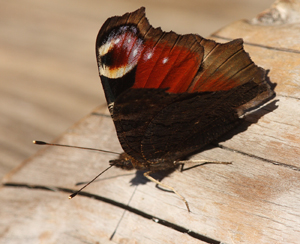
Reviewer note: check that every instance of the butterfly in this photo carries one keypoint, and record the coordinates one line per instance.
(169, 95)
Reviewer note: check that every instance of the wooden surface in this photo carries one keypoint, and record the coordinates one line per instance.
(48, 69)
(254, 200)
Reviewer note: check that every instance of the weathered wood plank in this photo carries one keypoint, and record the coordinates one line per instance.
(134, 229)
(47, 217)
(254, 200)
(250, 201)
(219, 195)
(276, 136)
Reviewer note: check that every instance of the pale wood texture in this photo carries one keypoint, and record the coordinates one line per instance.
(254, 200)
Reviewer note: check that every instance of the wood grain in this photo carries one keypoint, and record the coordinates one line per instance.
(254, 200)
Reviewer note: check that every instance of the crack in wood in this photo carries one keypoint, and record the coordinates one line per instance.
(101, 114)
(121, 205)
(280, 95)
(259, 158)
(281, 49)
(115, 231)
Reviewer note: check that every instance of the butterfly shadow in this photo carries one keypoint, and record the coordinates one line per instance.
(249, 119)
(252, 115)
(140, 179)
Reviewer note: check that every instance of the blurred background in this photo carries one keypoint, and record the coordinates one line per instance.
(48, 70)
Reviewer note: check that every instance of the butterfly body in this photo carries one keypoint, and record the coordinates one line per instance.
(168, 94)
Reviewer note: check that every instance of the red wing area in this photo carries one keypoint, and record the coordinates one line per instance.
(224, 67)
(190, 63)
(181, 63)
(168, 61)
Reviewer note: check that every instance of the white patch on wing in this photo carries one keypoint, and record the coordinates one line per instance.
(104, 49)
(111, 108)
(165, 60)
(135, 51)
(115, 72)
(148, 54)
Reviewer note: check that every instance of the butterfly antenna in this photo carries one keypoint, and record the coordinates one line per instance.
(75, 193)
(62, 145)
(86, 148)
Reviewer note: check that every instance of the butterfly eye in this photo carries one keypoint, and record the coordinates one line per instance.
(107, 59)
(120, 53)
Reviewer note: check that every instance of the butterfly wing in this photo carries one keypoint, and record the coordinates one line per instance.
(171, 94)
(133, 54)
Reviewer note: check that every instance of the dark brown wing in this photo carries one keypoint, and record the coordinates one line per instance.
(155, 124)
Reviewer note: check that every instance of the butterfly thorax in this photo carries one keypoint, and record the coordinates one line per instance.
(127, 162)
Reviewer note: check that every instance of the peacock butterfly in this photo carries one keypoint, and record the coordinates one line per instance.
(168, 94)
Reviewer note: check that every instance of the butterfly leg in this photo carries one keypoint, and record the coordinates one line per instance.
(147, 175)
(195, 163)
